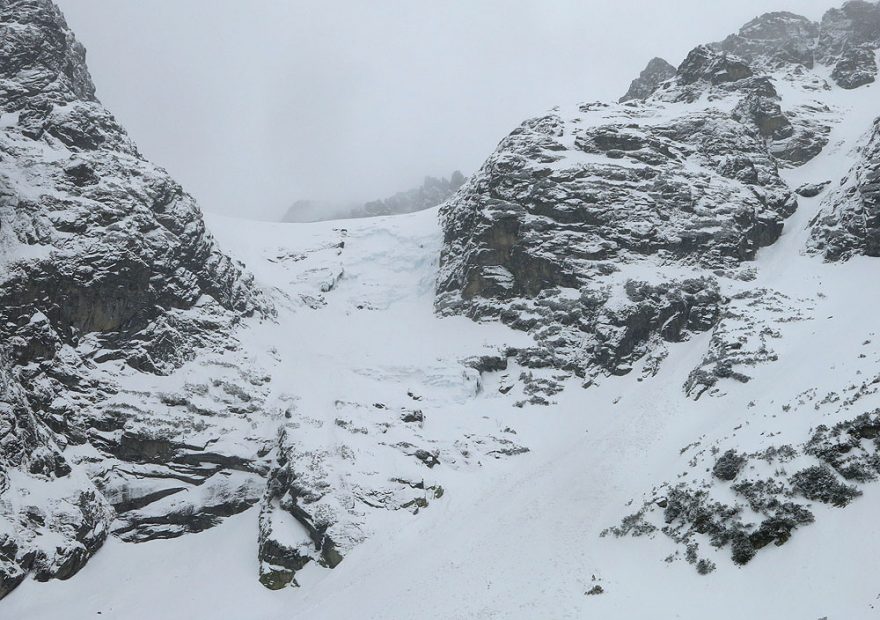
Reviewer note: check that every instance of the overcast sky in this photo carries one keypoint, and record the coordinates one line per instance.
(253, 104)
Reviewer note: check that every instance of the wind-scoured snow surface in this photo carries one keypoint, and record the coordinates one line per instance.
(631, 368)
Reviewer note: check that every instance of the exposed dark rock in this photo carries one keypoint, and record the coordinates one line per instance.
(413, 417)
(774, 40)
(531, 238)
(81, 174)
(778, 528)
(127, 264)
(842, 447)
(820, 483)
(807, 139)
(490, 363)
(857, 67)
(850, 449)
(657, 72)
(767, 115)
(811, 190)
(286, 499)
(855, 24)
(729, 465)
(706, 64)
(428, 458)
(152, 521)
(849, 224)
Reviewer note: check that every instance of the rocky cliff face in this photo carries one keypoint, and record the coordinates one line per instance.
(608, 231)
(775, 40)
(657, 72)
(683, 174)
(104, 257)
(573, 203)
(849, 224)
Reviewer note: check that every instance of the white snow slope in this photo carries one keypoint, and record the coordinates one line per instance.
(517, 537)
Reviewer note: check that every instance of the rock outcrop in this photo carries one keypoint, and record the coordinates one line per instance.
(657, 72)
(685, 171)
(775, 40)
(104, 257)
(607, 231)
(849, 224)
(857, 67)
(543, 236)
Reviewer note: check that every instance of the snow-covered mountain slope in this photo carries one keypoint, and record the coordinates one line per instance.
(509, 537)
(630, 368)
(135, 402)
(373, 401)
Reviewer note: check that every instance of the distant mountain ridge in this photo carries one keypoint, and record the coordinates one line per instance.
(432, 192)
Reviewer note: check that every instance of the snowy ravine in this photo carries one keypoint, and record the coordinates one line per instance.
(630, 369)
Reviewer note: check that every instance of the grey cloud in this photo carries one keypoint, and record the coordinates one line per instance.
(255, 104)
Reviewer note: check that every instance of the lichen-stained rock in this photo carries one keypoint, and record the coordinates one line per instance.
(657, 72)
(849, 223)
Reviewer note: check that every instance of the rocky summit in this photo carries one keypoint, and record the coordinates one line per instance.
(630, 366)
